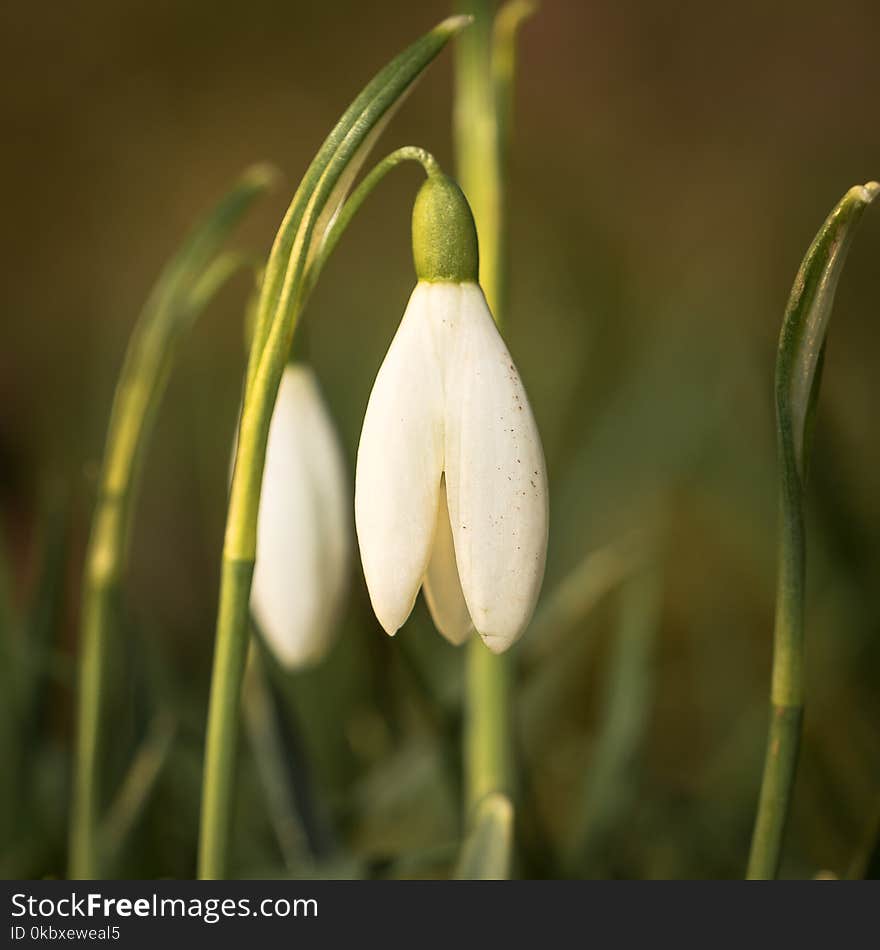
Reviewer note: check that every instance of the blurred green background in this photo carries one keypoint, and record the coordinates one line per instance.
(671, 164)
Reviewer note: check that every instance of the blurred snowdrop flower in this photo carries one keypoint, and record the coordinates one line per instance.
(451, 484)
(303, 530)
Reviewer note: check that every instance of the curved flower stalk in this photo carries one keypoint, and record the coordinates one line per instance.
(451, 484)
(798, 374)
(303, 531)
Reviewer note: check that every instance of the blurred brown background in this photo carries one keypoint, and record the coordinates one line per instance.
(671, 164)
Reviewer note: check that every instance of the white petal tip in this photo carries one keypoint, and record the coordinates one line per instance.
(297, 663)
(294, 653)
(496, 642)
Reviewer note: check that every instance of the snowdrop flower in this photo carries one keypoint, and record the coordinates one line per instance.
(303, 531)
(451, 485)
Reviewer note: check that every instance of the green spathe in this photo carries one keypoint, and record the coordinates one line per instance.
(443, 233)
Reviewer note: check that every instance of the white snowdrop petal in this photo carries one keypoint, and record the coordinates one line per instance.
(332, 488)
(297, 587)
(441, 585)
(399, 464)
(495, 476)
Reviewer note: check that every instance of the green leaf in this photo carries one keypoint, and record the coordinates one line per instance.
(488, 848)
(572, 599)
(183, 289)
(137, 787)
(610, 784)
(806, 320)
(282, 295)
(798, 371)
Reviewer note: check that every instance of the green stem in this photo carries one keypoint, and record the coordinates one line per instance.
(786, 694)
(477, 151)
(483, 90)
(223, 718)
(95, 626)
(780, 765)
(488, 734)
(488, 738)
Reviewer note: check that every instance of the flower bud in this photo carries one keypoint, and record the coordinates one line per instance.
(303, 529)
(443, 233)
(451, 485)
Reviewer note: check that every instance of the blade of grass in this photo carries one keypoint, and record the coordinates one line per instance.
(268, 755)
(136, 788)
(277, 749)
(579, 592)
(609, 786)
